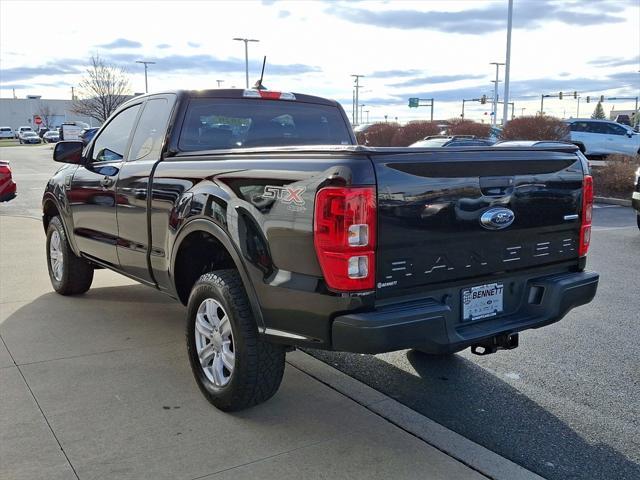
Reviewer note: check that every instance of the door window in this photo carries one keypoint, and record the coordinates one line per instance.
(112, 142)
(599, 127)
(616, 129)
(151, 129)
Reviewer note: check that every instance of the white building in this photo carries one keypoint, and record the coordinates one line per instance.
(16, 112)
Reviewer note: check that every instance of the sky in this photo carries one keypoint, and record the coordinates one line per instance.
(420, 48)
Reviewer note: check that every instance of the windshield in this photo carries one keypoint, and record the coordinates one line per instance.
(212, 124)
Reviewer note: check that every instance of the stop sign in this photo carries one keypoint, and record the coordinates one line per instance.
(37, 120)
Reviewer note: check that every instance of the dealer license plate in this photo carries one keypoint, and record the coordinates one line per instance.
(482, 301)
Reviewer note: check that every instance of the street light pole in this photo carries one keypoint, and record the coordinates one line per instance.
(246, 56)
(505, 111)
(495, 91)
(356, 100)
(362, 105)
(145, 63)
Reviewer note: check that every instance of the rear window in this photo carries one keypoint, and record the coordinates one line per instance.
(213, 124)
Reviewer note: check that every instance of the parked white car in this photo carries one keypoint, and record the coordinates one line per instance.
(19, 130)
(6, 132)
(603, 137)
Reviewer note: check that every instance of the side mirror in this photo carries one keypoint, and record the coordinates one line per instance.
(68, 152)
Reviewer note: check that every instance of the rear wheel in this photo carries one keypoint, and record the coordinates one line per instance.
(233, 367)
(69, 274)
(638, 220)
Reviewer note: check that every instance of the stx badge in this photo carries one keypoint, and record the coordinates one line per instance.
(291, 196)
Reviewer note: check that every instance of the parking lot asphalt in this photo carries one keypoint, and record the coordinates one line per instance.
(565, 404)
(98, 386)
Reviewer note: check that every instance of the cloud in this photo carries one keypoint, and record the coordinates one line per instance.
(628, 78)
(17, 86)
(193, 44)
(615, 61)
(163, 45)
(25, 73)
(283, 14)
(414, 82)
(121, 43)
(474, 21)
(171, 64)
(393, 73)
(208, 64)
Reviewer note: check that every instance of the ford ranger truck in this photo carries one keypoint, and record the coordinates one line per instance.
(259, 212)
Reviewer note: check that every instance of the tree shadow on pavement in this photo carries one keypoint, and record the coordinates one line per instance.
(465, 398)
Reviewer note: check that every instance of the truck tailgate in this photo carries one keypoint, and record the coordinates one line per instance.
(430, 203)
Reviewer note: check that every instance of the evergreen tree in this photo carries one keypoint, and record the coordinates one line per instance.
(598, 113)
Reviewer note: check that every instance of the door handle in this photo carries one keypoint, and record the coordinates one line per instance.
(106, 182)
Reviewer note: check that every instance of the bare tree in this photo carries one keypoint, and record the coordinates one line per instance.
(103, 89)
(46, 113)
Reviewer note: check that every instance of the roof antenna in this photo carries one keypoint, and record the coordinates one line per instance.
(258, 84)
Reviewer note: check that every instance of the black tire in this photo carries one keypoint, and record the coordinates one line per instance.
(77, 273)
(258, 365)
(638, 220)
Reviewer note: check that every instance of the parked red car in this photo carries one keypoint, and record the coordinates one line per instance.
(7, 185)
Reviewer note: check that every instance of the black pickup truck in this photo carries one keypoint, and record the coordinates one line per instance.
(258, 211)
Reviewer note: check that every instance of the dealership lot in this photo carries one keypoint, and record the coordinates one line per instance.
(564, 404)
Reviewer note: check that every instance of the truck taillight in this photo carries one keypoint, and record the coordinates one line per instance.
(344, 233)
(587, 214)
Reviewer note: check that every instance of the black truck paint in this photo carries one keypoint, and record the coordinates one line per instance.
(173, 214)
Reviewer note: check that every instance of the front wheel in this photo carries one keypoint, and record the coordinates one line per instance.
(234, 368)
(69, 274)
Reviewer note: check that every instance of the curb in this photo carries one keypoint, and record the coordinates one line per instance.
(613, 201)
(447, 441)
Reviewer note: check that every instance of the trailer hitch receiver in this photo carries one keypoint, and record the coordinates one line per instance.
(508, 341)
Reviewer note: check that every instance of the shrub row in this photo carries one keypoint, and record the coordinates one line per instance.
(522, 128)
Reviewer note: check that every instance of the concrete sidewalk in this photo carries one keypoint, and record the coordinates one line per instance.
(99, 387)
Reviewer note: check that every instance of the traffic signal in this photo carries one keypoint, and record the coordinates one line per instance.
(602, 98)
(588, 99)
(483, 99)
(560, 95)
(575, 94)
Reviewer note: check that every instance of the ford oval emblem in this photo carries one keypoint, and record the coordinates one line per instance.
(497, 218)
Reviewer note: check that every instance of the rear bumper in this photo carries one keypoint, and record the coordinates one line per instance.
(435, 326)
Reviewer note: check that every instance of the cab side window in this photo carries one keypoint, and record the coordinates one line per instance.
(113, 140)
(151, 129)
